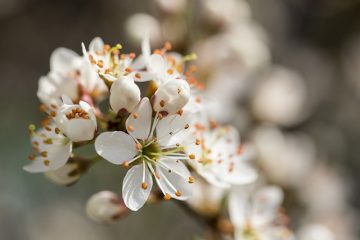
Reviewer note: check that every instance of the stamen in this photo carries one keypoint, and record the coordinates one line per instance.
(48, 141)
(136, 115)
(178, 193)
(162, 103)
(191, 179)
(144, 185)
(192, 156)
(46, 162)
(167, 197)
(57, 130)
(44, 154)
(125, 164)
(130, 128)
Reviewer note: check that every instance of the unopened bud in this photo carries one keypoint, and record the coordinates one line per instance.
(76, 121)
(124, 94)
(105, 207)
(172, 96)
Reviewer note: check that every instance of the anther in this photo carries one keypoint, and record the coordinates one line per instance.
(167, 46)
(46, 162)
(198, 141)
(43, 108)
(162, 103)
(136, 115)
(132, 55)
(186, 126)
(178, 193)
(44, 154)
(192, 156)
(48, 141)
(170, 71)
(125, 164)
(130, 128)
(191, 179)
(138, 146)
(180, 112)
(138, 75)
(31, 157)
(53, 113)
(128, 69)
(167, 197)
(57, 130)
(144, 185)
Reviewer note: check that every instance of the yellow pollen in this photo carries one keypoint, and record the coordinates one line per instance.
(191, 179)
(178, 144)
(125, 164)
(170, 71)
(138, 146)
(144, 185)
(44, 154)
(46, 162)
(48, 141)
(167, 197)
(43, 108)
(192, 156)
(57, 130)
(178, 193)
(138, 75)
(130, 128)
(100, 64)
(53, 113)
(198, 141)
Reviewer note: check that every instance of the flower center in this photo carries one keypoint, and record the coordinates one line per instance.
(77, 113)
(151, 151)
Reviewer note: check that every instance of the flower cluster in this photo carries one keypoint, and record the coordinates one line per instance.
(148, 114)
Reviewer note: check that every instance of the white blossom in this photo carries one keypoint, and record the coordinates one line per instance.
(76, 121)
(152, 148)
(65, 175)
(51, 150)
(257, 217)
(221, 160)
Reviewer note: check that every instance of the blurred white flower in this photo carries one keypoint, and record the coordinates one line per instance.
(105, 207)
(206, 198)
(141, 25)
(124, 94)
(173, 6)
(315, 232)
(220, 158)
(226, 12)
(250, 55)
(258, 218)
(76, 121)
(286, 159)
(51, 150)
(155, 147)
(280, 98)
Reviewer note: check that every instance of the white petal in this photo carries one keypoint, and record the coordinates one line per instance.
(79, 130)
(138, 63)
(58, 154)
(62, 60)
(116, 147)
(266, 204)
(66, 100)
(242, 173)
(171, 129)
(140, 120)
(238, 206)
(172, 181)
(133, 194)
(97, 44)
(157, 64)
(124, 94)
(89, 110)
(144, 76)
(145, 48)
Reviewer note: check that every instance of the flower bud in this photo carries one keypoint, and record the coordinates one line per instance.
(105, 207)
(171, 96)
(64, 176)
(124, 95)
(76, 121)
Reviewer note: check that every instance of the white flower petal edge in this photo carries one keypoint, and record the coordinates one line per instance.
(124, 94)
(52, 151)
(139, 122)
(116, 147)
(137, 186)
(62, 60)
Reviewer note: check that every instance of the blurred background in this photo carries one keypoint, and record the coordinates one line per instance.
(286, 73)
